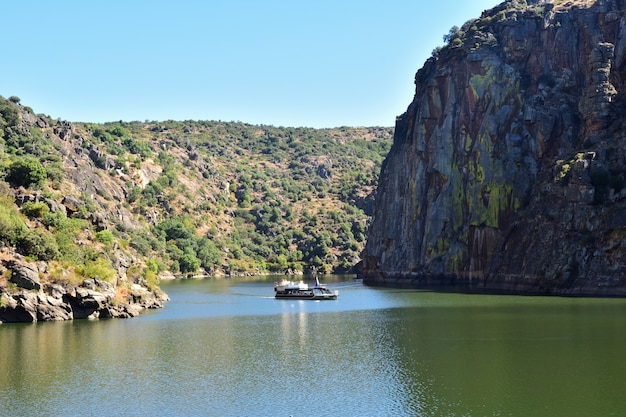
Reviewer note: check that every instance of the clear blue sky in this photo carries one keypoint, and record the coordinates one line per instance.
(321, 63)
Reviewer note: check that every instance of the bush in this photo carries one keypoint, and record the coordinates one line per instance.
(11, 226)
(208, 253)
(68, 249)
(174, 229)
(60, 221)
(98, 268)
(188, 263)
(27, 171)
(152, 281)
(140, 244)
(9, 114)
(155, 265)
(37, 210)
(105, 237)
(39, 245)
(54, 172)
(452, 34)
(137, 147)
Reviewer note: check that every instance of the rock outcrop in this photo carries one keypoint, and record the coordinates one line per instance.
(30, 301)
(507, 169)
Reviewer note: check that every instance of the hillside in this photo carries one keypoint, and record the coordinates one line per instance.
(507, 169)
(130, 203)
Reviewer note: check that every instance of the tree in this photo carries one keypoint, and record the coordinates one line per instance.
(188, 263)
(175, 229)
(208, 253)
(27, 171)
(451, 34)
(9, 114)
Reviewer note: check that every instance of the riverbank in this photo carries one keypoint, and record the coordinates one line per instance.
(24, 298)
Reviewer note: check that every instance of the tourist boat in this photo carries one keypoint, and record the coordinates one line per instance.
(302, 291)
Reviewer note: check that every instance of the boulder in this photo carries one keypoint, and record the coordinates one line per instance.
(24, 274)
(92, 297)
(22, 197)
(72, 204)
(99, 221)
(55, 206)
(18, 308)
(121, 260)
(50, 308)
(101, 159)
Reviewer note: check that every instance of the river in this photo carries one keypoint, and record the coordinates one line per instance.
(226, 347)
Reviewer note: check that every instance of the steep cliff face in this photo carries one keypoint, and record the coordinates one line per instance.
(507, 169)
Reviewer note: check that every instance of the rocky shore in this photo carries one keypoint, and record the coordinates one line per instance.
(24, 298)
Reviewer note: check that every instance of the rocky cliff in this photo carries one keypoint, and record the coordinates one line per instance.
(507, 169)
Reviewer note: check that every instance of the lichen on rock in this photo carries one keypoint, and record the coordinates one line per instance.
(506, 147)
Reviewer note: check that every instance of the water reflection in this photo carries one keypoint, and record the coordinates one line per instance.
(227, 348)
(540, 357)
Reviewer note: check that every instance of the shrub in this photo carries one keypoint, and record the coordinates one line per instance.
(451, 33)
(140, 244)
(54, 172)
(69, 251)
(9, 114)
(137, 147)
(106, 237)
(98, 268)
(563, 172)
(27, 171)
(188, 263)
(11, 225)
(60, 221)
(41, 246)
(175, 229)
(37, 210)
(151, 279)
(155, 265)
(208, 253)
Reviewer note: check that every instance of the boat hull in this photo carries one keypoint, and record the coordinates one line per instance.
(307, 296)
(301, 291)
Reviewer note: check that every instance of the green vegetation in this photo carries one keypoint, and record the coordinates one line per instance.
(26, 172)
(270, 199)
(476, 30)
(190, 197)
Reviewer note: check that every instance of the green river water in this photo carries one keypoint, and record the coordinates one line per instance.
(228, 348)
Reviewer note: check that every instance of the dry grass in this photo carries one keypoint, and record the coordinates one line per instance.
(122, 295)
(568, 4)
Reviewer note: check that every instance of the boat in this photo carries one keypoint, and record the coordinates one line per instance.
(302, 291)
